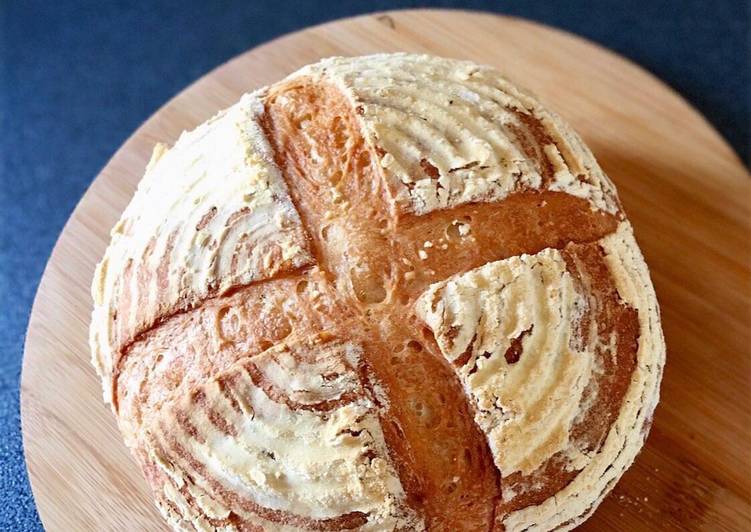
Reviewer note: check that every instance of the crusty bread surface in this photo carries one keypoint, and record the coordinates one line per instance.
(389, 292)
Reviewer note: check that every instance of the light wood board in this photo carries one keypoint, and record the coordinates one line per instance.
(685, 191)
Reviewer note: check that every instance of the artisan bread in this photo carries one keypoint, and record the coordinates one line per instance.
(390, 292)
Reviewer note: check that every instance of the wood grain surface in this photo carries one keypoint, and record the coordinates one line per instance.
(685, 191)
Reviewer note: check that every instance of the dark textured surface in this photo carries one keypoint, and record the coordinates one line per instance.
(77, 78)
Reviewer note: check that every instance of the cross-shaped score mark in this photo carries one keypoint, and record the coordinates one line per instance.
(379, 259)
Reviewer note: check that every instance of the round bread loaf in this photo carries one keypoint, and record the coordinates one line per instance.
(386, 293)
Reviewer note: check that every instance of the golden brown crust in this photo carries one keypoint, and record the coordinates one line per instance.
(441, 457)
(182, 239)
(441, 272)
(450, 132)
(230, 445)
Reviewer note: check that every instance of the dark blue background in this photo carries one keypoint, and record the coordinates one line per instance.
(77, 78)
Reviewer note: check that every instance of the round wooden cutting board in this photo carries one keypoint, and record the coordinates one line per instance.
(685, 191)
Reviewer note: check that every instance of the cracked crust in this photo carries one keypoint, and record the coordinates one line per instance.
(386, 293)
(287, 438)
(546, 348)
(451, 132)
(183, 239)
